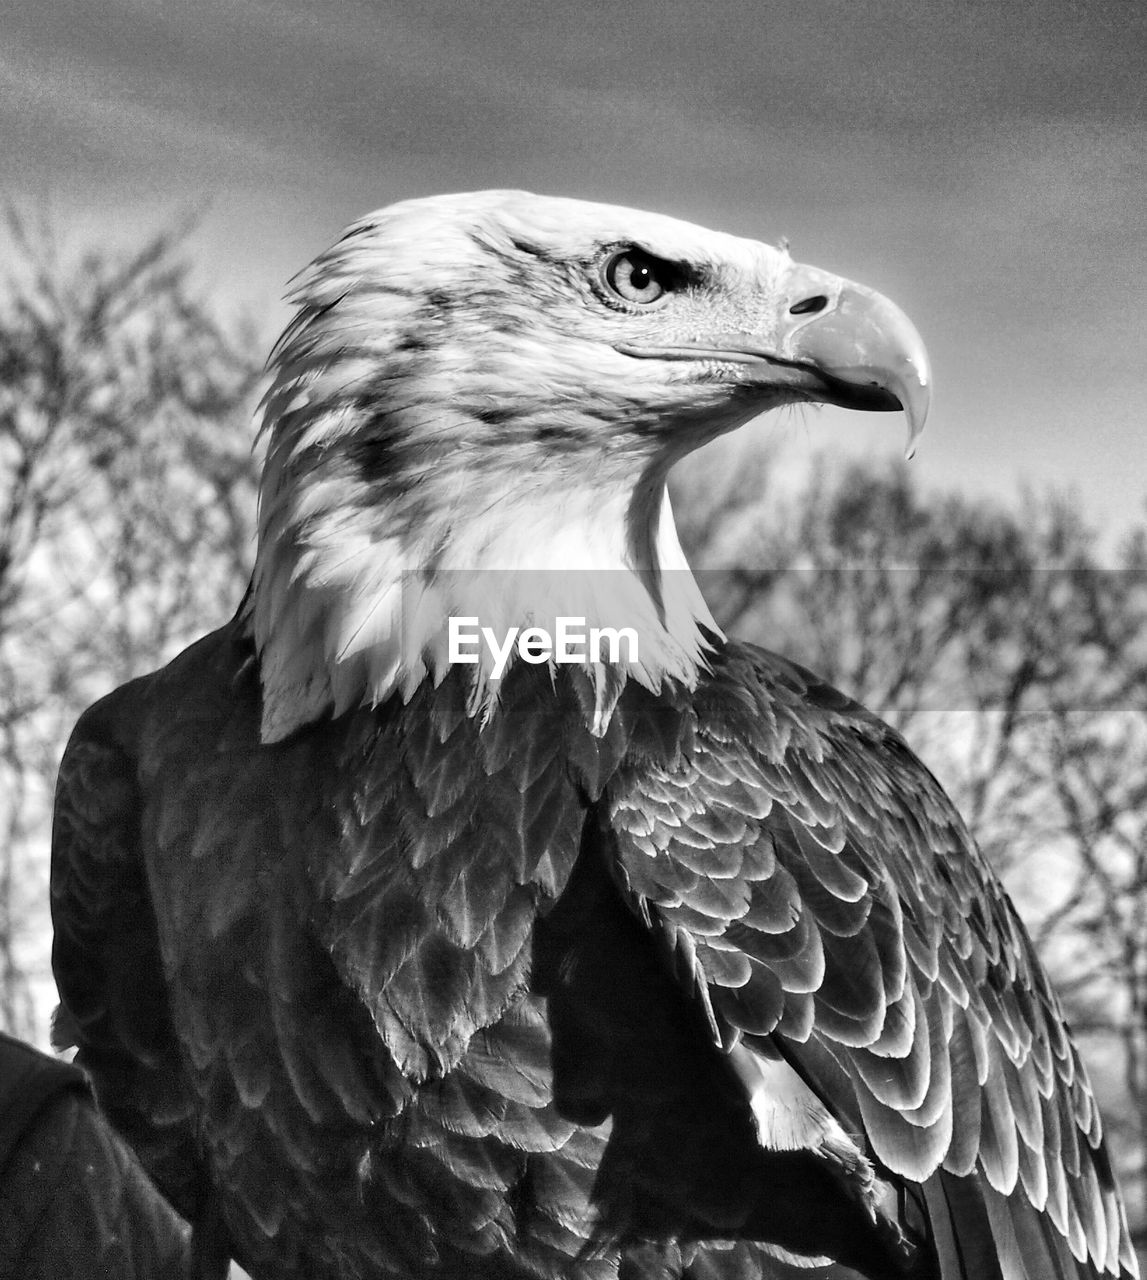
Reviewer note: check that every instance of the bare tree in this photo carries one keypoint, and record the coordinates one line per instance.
(126, 516)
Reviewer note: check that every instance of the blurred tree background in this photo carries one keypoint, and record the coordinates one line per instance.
(989, 635)
(127, 495)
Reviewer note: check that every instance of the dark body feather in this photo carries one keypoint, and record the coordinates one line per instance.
(406, 995)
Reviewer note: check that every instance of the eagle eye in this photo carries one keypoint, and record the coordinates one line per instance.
(638, 277)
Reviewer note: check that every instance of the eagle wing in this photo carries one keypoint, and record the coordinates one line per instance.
(817, 892)
(106, 954)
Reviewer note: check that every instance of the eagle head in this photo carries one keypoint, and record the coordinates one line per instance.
(473, 414)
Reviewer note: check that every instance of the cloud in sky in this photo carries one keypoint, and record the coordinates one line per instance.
(984, 163)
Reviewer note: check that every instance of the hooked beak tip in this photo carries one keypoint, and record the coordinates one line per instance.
(915, 396)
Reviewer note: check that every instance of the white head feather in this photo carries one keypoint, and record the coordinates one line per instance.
(458, 427)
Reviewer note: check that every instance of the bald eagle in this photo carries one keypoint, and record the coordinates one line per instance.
(394, 955)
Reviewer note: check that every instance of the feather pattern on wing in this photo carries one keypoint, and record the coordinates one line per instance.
(925, 991)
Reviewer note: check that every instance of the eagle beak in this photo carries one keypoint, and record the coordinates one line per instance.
(826, 339)
(857, 348)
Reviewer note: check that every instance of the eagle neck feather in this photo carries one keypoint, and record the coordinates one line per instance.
(356, 578)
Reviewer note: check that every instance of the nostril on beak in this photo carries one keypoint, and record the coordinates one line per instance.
(809, 306)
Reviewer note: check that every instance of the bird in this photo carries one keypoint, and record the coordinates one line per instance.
(470, 905)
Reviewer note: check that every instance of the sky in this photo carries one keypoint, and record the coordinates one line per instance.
(983, 162)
